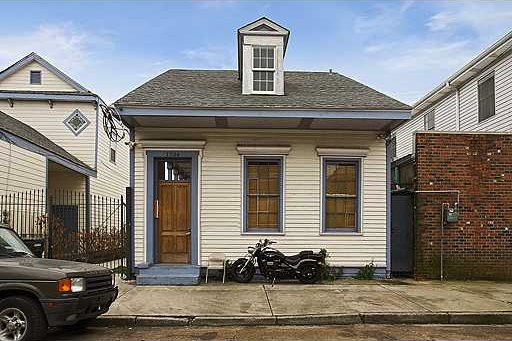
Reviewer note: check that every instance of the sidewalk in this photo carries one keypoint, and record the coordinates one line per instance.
(340, 302)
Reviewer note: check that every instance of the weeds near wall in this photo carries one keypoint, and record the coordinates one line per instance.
(366, 272)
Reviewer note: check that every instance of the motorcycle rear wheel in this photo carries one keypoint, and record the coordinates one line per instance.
(244, 276)
(309, 273)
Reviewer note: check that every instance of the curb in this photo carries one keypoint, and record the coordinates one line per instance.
(305, 320)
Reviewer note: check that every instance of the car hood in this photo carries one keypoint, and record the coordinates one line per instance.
(58, 268)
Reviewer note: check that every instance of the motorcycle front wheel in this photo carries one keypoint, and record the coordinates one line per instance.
(309, 273)
(241, 274)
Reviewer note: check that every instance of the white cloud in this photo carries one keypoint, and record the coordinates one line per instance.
(211, 57)
(384, 18)
(484, 18)
(67, 46)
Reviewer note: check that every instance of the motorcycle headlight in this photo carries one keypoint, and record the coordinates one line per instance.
(250, 250)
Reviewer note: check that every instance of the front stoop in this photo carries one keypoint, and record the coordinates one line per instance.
(161, 274)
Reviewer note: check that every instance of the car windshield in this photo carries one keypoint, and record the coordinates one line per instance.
(11, 244)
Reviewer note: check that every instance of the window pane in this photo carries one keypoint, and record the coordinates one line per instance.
(35, 77)
(486, 99)
(263, 179)
(256, 52)
(341, 195)
(257, 63)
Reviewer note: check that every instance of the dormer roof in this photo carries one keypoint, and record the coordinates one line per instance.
(261, 27)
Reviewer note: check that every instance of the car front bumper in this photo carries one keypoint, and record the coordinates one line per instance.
(67, 311)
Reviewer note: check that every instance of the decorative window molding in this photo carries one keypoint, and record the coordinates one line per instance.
(263, 194)
(347, 152)
(172, 144)
(76, 122)
(341, 195)
(263, 150)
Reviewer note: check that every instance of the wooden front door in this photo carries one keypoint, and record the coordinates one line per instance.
(173, 222)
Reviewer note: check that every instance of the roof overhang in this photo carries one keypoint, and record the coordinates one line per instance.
(474, 67)
(41, 96)
(27, 145)
(362, 120)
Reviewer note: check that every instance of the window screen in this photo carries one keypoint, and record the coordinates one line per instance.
(430, 120)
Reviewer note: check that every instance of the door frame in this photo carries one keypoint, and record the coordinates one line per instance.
(151, 234)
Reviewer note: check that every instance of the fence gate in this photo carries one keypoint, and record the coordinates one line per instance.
(71, 225)
(402, 234)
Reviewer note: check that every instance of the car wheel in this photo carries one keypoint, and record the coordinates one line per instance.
(21, 319)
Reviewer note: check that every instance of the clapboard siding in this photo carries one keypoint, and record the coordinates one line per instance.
(20, 169)
(220, 216)
(112, 178)
(49, 122)
(405, 135)
(502, 120)
(468, 107)
(20, 80)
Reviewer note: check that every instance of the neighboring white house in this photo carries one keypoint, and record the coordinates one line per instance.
(478, 97)
(38, 94)
(222, 158)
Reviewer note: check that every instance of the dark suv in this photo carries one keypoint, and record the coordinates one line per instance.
(39, 293)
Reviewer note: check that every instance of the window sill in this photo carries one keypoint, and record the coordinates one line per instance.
(262, 233)
(340, 233)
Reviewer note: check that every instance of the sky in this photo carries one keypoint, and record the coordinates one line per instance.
(401, 48)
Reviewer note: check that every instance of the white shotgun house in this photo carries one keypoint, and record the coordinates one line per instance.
(39, 95)
(222, 158)
(476, 98)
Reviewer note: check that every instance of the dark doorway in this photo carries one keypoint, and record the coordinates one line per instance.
(402, 234)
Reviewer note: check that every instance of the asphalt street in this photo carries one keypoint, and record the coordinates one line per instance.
(285, 333)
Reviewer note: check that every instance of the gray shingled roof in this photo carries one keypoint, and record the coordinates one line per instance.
(217, 89)
(20, 129)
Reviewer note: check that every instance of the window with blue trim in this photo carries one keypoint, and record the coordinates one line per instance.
(263, 193)
(341, 195)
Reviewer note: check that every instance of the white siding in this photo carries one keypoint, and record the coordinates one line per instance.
(20, 80)
(220, 217)
(502, 120)
(468, 107)
(20, 169)
(49, 122)
(405, 135)
(112, 178)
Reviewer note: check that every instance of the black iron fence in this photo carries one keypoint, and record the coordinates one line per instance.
(71, 225)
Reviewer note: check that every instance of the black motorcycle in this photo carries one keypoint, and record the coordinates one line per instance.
(306, 266)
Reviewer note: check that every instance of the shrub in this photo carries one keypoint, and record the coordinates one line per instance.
(328, 273)
(366, 272)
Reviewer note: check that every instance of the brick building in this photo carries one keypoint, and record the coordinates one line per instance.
(479, 166)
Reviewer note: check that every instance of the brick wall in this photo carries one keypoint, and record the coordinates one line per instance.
(479, 245)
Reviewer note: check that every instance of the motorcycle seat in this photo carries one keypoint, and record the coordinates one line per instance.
(303, 254)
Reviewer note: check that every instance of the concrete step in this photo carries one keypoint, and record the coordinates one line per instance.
(170, 270)
(145, 279)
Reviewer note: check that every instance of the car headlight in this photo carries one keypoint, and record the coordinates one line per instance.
(76, 284)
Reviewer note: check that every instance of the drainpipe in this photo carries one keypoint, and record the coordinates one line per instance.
(388, 206)
(457, 109)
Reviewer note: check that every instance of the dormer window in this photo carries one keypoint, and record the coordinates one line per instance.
(35, 77)
(263, 68)
(261, 48)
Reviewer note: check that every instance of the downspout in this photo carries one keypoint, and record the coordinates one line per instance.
(457, 109)
(388, 205)
(131, 218)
